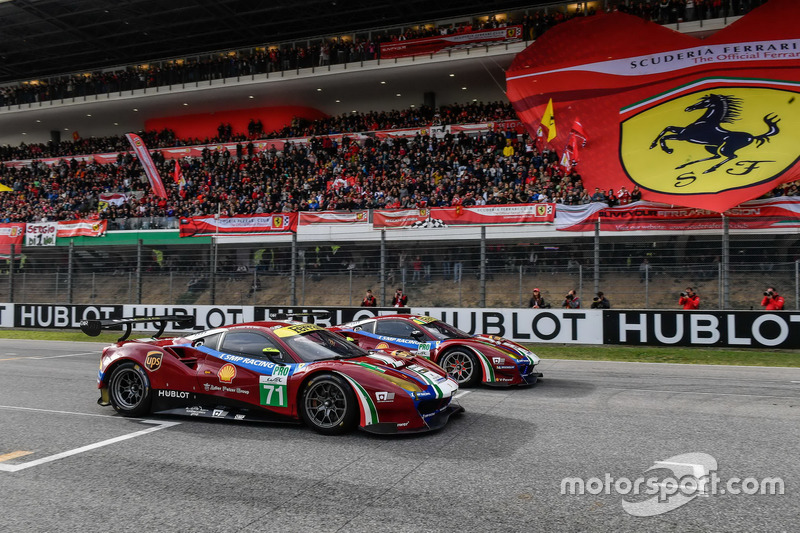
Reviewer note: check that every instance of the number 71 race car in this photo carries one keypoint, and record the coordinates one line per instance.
(469, 359)
(280, 371)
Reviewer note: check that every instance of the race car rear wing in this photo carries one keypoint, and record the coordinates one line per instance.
(94, 327)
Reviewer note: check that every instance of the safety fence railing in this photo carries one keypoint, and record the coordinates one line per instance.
(632, 272)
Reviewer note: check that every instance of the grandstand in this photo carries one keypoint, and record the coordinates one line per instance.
(352, 97)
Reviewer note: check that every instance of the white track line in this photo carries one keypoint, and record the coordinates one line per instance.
(16, 408)
(462, 393)
(89, 447)
(706, 393)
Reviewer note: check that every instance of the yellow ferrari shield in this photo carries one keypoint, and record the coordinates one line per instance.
(712, 140)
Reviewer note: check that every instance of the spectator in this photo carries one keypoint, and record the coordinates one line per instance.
(537, 300)
(571, 300)
(772, 301)
(689, 299)
(400, 299)
(369, 300)
(644, 270)
(600, 302)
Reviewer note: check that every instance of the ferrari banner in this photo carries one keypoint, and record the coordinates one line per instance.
(486, 215)
(148, 165)
(701, 123)
(277, 224)
(431, 45)
(310, 218)
(11, 233)
(82, 228)
(769, 213)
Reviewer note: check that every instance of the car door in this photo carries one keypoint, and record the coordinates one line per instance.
(236, 370)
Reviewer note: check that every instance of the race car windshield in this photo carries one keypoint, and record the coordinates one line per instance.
(443, 331)
(322, 344)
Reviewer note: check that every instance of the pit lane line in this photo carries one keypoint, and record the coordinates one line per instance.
(158, 424)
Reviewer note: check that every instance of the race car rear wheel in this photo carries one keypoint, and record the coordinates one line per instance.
(328, 405)
(462, 366)
(129, 390)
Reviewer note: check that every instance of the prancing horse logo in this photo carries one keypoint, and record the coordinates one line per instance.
(708, 130)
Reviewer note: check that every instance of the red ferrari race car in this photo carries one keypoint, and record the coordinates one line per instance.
(469, 359)
(272, 371)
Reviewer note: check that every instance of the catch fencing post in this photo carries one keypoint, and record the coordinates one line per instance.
(597, 255)
(213, 270)
(11, 255)
(483, 267)
(725, 265)
(70, 267)
(138, 272)
(383, 267)
(293, 282)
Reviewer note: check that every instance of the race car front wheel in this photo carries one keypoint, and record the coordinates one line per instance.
(129, 390)
(462, 366)
(328, 405)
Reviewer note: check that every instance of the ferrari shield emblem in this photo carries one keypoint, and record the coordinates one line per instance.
(711, 141)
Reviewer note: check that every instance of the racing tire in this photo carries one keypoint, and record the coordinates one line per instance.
(328, 405)
(129, 390)
(463, 366)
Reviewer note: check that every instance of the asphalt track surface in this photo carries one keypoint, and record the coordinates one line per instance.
(67, 464)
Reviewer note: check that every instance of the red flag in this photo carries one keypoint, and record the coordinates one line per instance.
(573, 145)
(578, 131)
(179, 179)
(147, 163)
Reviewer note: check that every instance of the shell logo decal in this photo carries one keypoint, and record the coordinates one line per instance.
(381, 346)
(227, 373)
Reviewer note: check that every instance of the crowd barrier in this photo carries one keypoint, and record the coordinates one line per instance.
(730, 329)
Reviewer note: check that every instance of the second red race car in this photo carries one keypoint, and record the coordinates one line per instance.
(469, 359)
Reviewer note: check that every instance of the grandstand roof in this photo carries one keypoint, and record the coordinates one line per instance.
(46, 37)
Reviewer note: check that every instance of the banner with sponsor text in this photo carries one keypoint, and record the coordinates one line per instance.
(767, 213)
(82, 228)
(310, 218)
(277, 224)
(436, 217)
(431, 45)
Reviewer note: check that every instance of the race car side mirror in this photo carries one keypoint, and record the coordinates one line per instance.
(272, 354)
(417, 334)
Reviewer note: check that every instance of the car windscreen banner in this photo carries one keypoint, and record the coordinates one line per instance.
(82, 228)
(706, 123)
(11, 233)
(766, 213)
(431, 45)
(202, 226)
(486, 215)
(311, 218)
